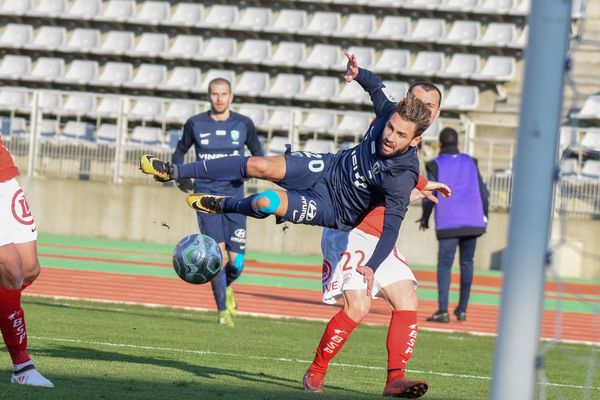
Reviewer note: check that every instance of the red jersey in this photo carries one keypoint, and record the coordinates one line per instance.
(372, 223)
(8, 169)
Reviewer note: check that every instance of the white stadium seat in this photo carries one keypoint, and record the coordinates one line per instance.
(591, 169)
(150, 44)
(323, 56)
(146, 109)
(317, 122)
(184, 46)
(254, 19)
(568, 167)
(179, 111)
(568, 137)
(392, 61)
(393, 27)
(591, 140)
(252, 83)
(461, 98)
(148, 76)
(108, 107)
(49, 128)
(396, 90)
(358, 25)
(422, 4)
(462, 65)
(146, 136)
(590, 109)
(498, 34)
(114, 74)
(319, 146)
(222, 16)
(16, 35)
(13, 126)
(117, 10)
(50, 101)
(496, 6)
(182, 79)
(323, 23)
(428, 30)
(320, 88)
(15, 67)
(48, 38)
(276, 146)
(50, 8)
(14, 99)
(151, 12)
(427, 63)
(352, 124)
(433, 132)
(498, 68)
(83, 40)
(289, 21)
(107, 133)
(78, 130)
(288, 53)
(460, 5)
(84, 9)
(463, 32)
(258, 114)
(253, 51)
(211, 74)
(364, 55)
(286, 86)
(280, 120)
(78, 104)
(80, 72)
(186, 14)
(116, 42)
(47, 69)
(12, 7)
(218, 49)
(352, 93)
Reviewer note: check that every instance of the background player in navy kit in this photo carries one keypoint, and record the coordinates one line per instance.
(219, 133)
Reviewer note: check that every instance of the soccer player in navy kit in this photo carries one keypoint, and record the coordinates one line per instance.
(214, 134)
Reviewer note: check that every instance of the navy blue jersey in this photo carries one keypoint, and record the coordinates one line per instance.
(215, 139)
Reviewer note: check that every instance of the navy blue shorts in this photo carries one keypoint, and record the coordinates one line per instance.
(304, 168)
(225, 228)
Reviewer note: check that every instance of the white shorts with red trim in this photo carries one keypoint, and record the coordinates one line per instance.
(344, 251)
(16, 221)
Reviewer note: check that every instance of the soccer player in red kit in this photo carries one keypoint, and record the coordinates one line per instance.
(19, 267)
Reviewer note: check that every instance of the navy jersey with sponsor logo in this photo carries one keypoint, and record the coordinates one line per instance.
(215, 139)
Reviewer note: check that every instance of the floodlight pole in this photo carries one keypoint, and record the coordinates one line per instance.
(532, 201)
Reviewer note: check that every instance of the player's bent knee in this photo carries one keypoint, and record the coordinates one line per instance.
(11, 276)
(267, 202)
(31, 272)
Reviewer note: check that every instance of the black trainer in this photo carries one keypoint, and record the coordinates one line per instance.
(461, 314)
(439, 316)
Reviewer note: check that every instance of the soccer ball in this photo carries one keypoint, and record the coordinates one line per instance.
(197, 258)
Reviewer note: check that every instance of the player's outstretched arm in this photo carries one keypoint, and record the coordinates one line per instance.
(429, 192)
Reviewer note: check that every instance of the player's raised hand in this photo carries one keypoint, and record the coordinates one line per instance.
(368, 277)
(434, 186)
(351, 67)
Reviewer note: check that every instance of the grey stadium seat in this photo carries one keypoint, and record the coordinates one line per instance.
(150, 44)
(148, 76)
(396, 90)
(253, 51)
(83, 40)
(78, 130)
(47, 69)
(318, 122)
(461, 98)
(182, 79)
(392, 61)
(84, 9)
(428, 30)
(462, 66)
(393, 27)
(14, 99)
(186, 14)
(352, 93)
(427, 63)
(323, 23)
(323, 56)
(498, 34)
(184, 46)
(180, 111)
(222, 16)
(48, 38)
(15, 67)
(288, 53)
(114, 74)
(591, 140)
(320, 88)
(498, 68)
(289, 21)
(151, 12)
(358, 25)
(218, 49)
(78, 104)
(80, 72)
(146, 136)
(12, 7)
(254, 19)
(286, 86)
(252, 83)
(117, 10)
(591, 170)
(116, 42)
(50, 8)
(258, 114)
(146, 109)
(16, 35)
(463, 32)
(108, 107)
(107, 134)
(50, 101)
(280, 119)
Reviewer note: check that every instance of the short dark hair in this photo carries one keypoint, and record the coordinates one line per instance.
(448, 137)
(414, 110)
(428, 87)
(219, 80)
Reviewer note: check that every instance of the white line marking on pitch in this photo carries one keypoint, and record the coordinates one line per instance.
(289, 360)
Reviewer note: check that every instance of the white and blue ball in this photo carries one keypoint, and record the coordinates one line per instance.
(197, 259)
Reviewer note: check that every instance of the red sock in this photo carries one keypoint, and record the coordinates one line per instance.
(336, 333)
(12, 325)
(402, 335)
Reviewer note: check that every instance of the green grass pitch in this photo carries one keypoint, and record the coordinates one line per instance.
(114, 351)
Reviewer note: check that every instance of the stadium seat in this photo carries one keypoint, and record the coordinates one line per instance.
(392, 61)
(13, 126)
(146, 136)
(16, 35)
(280, 120)
(182, 79)
(117, 10)
(252, 84)
(258, 114)
(114, 74)
(352, 93)
(150, 45)
(84, 9)
(422, 4)
(427, 63)
(568, 137)
(148, 76)
(254, 19)
(151, 13)
(146, 109)
(578, 8)
(253, 51)
(116, 42)
(521, 41)
(221, 16)
(107, 133)
(50, 8)
(427, 30)
(568, 167)
(591, 170)
(459, 5)
(12, 7)
(74, 130)
(80, 72)
(218, 49)
(462, 66)
(317, 122)
(393, 27)
(184, 46)
(50, 101)
(352, 124)
(323, 56)
(323, 23)
(590, 109)
(289, 21)
(286, 86)
(433, 132)
(497, 68)
(319, 146)
(496, 6)
(288, 54)
(78, 104)
(214, 74)
(49, 128)
(461, 98)
(364, 55)
(108, 107)
(179, 111)
(14, 99)
(591, 140)
(358, 25)
(46, 69)
(83, 40)
(523, 8)
(498, 34)
(186, 14)
(48, 38)
(320, 88)
(276, 146)
(463, 32)
(396, 90)
(15, 67)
